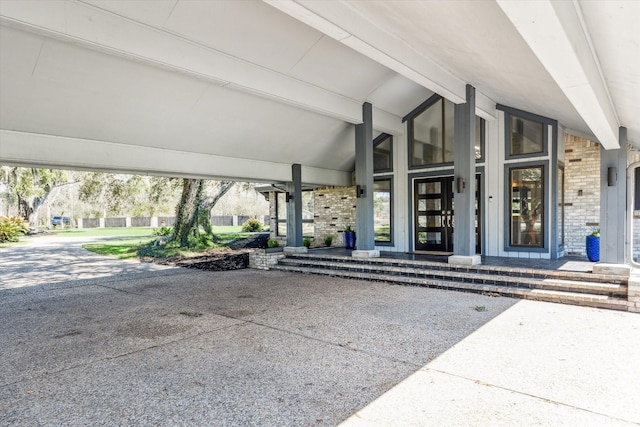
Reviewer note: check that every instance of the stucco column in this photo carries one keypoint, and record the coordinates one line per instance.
(464, 182)
(365, 239)
(613, 202)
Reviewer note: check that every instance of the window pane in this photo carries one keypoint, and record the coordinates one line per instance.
(382, 210)
(307, 205)
(281, 206)
(479, 138)
(527, 207)
(561, 206)
(308, 229)
(426, 144)
(449, 132)
(382, 154)
(526, 136)
(282, 228)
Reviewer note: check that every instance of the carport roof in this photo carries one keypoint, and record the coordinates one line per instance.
(244, 89)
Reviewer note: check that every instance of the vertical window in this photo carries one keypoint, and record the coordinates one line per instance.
(382, 153)
(525, 136)
(281, 214)
(560, 205)
(308, 227)
(527, 206)
(637, 189)
(382, 215)
(479, 138)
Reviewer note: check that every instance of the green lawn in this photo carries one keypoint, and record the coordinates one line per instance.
(132, 231)
(120, 248)
(129, 247)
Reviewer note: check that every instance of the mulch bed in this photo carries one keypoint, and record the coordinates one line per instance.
(215, 260)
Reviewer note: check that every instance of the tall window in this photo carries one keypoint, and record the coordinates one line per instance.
(308, 228)
(432, 133)
(382, 153)
(560, 196)
(382, 214)
(281, 214)
(526, 225)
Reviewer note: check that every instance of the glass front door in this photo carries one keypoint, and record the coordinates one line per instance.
(433, 214)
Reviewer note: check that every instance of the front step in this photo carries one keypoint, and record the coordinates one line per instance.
(587, 289)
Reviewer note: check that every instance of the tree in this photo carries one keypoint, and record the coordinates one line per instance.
(194, 207)
(33, 188)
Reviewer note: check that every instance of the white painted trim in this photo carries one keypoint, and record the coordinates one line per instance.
(29, 149)
(555, 32)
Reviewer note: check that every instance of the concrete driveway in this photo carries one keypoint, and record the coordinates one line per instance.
(246, 347)
(218, 348)
(53, 259)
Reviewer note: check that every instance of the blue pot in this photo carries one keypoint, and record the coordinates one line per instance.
(349, 239)
(593, 248)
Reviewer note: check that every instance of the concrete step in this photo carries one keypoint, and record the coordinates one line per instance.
(550, 295)
(593, 288)
(475, 269)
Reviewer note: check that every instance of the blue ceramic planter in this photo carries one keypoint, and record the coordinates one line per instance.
(349, 239)
(593, 248)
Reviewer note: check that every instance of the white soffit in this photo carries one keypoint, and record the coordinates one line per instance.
(343, 22)
(555, 32)
(613, 26)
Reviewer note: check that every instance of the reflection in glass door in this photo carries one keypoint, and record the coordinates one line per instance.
(433, 214)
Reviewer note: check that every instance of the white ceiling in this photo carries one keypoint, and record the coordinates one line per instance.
(245, 80)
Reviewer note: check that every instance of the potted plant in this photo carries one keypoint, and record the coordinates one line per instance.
(593, 245)
(328, 240)
(349, 238)
(273, 246)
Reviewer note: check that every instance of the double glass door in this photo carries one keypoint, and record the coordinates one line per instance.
(433, 205)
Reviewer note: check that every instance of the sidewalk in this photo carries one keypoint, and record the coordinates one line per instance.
(535, 364)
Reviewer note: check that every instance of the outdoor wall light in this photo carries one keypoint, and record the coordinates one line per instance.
(612, 176)
(288, 197)
(359, 191)
(460, 184)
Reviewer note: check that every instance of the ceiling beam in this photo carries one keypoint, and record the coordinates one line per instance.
(104, 31)
(556, 33)
(342, 22)
(31, 149)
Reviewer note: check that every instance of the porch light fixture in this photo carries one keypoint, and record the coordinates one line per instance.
(612, 176)
(460, 184)
(359, 192)
(288, 197)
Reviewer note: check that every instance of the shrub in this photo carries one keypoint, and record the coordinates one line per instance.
(251, 225)
(272, 243)
(328, 240)
(11, 228)
(306, 242)
(162, 231)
